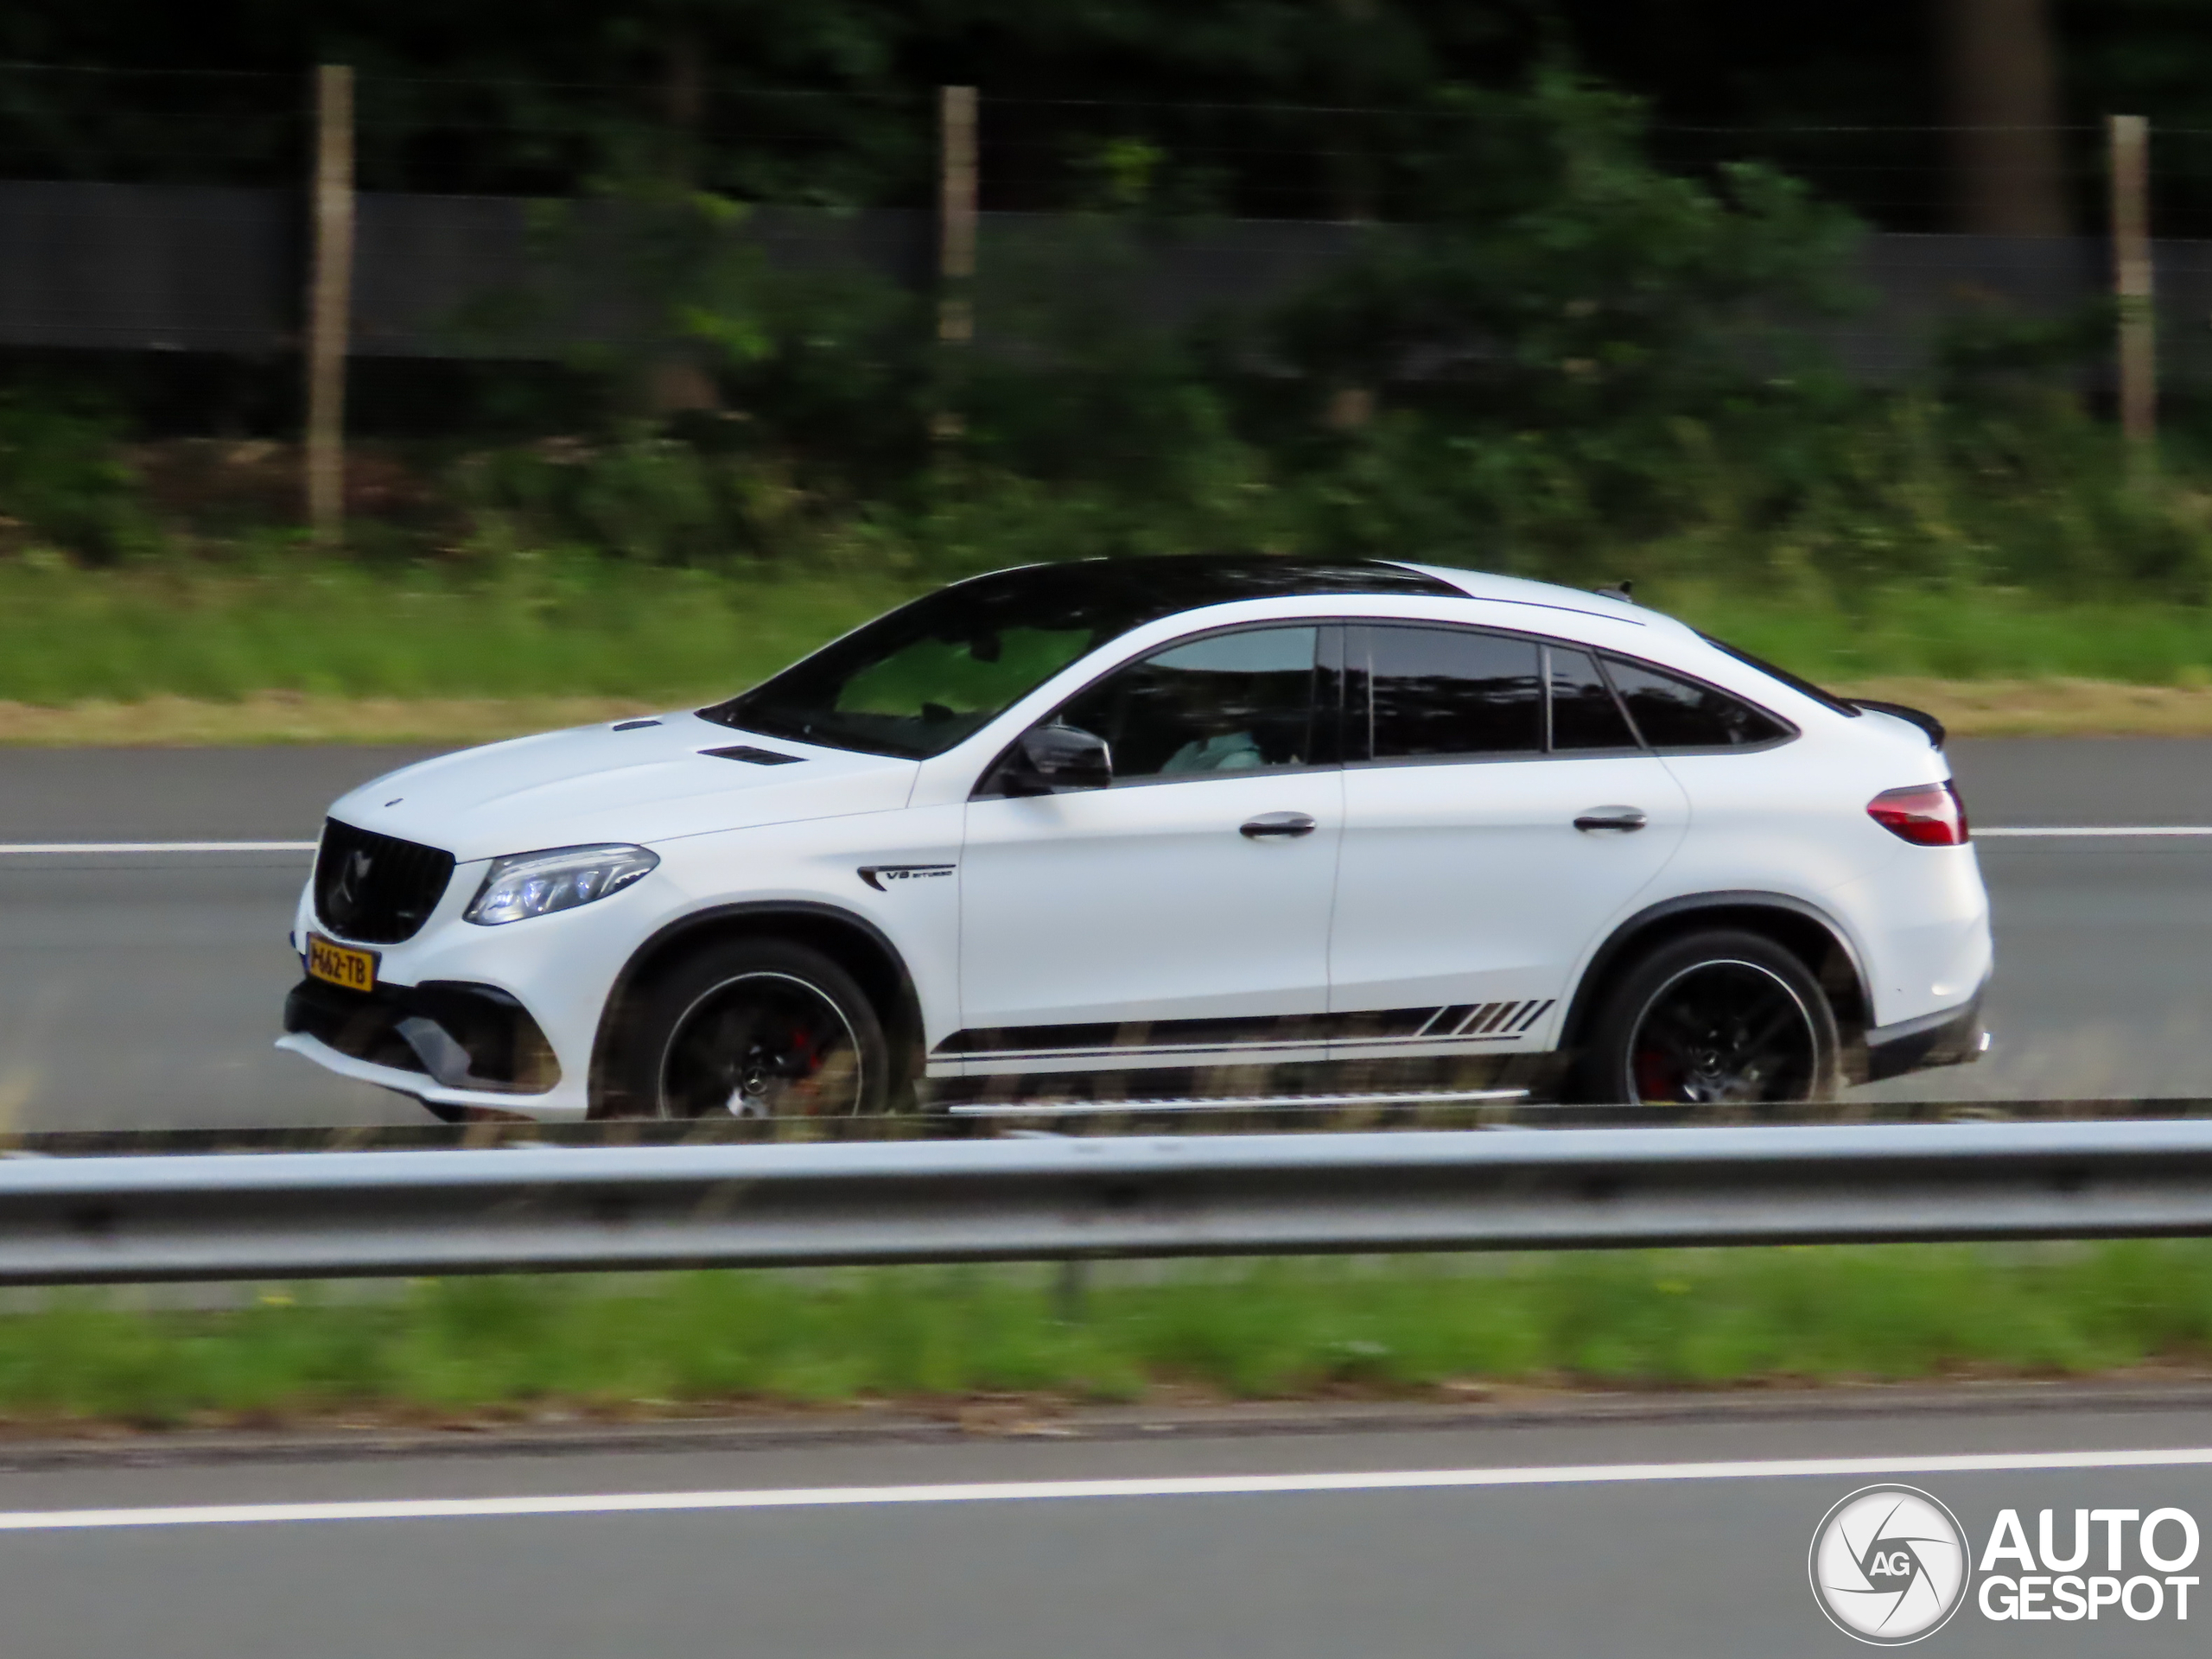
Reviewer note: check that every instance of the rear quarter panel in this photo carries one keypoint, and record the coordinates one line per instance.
(1793, 820)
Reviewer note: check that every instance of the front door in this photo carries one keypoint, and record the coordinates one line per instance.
(1499, 816)
(1181, 915)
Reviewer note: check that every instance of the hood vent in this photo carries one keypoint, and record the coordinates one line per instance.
(746, 752)
(634, 725)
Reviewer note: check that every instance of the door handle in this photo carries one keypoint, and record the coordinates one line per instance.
(1284, 825)
(1619, 818)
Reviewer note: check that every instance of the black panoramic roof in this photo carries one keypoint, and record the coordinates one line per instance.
(1062, 611)
(1116, 596)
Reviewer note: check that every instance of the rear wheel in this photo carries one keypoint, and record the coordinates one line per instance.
(754, 1028)
(1720, 1017)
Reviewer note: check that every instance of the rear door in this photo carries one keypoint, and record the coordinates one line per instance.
(1500, 815)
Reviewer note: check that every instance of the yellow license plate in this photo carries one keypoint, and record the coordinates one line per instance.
(341, 964)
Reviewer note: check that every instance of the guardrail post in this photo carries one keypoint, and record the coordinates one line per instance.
(1072, 1291)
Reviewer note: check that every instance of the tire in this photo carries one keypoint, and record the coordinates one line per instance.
(750, 1028)
(1719, 1018)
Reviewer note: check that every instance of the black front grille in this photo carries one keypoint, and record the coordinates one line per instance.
(376, 889)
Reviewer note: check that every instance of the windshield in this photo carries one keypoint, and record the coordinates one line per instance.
(919, 680)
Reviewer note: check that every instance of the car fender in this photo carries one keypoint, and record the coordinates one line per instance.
(905, 1016)
(1601, 962)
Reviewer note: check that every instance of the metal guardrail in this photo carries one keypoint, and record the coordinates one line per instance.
(548, 1208)
(1113, 1118)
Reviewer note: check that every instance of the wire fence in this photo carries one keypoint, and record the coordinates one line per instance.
(878, 147)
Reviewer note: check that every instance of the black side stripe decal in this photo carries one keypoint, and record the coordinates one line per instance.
(1468, 1022)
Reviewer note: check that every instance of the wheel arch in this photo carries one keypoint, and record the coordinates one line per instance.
(852, 941)
(1816, 937)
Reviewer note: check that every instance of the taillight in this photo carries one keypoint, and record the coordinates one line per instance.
(1927, 815)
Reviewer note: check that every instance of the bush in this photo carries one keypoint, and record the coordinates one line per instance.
(63, 481)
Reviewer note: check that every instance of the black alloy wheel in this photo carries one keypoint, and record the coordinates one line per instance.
(1718, 1019)
(756, 1028)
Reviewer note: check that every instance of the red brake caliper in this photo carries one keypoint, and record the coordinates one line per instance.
(802, 1050)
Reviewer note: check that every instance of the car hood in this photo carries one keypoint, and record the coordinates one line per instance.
(599, 783)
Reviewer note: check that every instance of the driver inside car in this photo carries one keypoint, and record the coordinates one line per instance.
(1234, 702)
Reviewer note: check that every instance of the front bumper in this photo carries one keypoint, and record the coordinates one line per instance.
(461, 1036)
(1948, 1037)
(451, 1045)
(553, 973)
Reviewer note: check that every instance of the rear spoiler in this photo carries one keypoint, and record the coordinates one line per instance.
(1919, 717)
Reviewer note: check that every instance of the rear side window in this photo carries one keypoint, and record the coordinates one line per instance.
(1672, 713)
(1584, 714)
(1435, 692)
(1797, 682)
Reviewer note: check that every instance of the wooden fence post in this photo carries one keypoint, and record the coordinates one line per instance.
(955, 233)
(2133, 285)
(955, 248)
(330, 285)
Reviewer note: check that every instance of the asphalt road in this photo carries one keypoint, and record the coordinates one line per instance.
(141, 990)
(1586, 1550)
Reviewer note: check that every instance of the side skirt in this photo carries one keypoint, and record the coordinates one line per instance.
(1465, 1029)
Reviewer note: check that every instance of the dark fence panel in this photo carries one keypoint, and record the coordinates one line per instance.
(454, 275)
(1919, 283)
(151, 268)
(177, 267)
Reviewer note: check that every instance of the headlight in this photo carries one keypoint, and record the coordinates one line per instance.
(537, 884)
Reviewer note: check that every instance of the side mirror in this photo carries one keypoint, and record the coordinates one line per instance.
(1051, 759)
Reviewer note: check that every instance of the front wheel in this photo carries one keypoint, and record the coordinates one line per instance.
(1721, 1018)
(754, 1028)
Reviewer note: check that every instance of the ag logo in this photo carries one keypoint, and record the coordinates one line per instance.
(1888, 1565)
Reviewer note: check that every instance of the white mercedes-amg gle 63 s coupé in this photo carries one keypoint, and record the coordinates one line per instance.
(1121, 828)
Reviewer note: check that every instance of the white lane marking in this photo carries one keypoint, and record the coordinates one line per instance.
(6, 847)
(803, 1497)
(1981, 834)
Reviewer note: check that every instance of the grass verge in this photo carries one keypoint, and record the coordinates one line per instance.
(331, 652)
(2052, 707)
(707, 1342)
(525, 628)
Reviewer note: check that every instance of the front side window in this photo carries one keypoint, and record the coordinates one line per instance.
(1231, 703)
(1438, 693)
(1672, 713)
